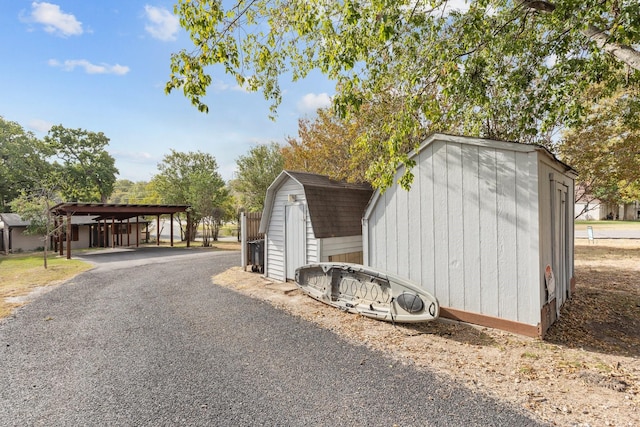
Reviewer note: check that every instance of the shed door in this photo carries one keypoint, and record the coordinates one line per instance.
(560, 244)
(295, 233)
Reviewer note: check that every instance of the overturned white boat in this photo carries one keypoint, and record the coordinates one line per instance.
(359, 289)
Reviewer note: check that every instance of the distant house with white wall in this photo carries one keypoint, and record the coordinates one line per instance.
(86, 232)
(589, 208)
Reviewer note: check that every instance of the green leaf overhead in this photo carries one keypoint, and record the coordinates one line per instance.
(498, 68)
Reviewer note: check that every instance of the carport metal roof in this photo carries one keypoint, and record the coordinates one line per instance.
(119, 212)
(115, 211)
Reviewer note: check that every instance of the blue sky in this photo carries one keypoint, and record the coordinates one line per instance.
(102, 66)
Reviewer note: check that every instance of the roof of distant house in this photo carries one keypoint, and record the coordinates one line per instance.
(15, 220)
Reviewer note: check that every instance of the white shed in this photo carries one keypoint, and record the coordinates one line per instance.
(481, 224)
(310, 218)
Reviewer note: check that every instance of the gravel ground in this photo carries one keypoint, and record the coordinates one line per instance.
(155, 343)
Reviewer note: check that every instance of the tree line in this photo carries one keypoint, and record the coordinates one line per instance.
(74, 165)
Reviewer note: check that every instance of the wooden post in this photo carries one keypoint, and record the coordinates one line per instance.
(69, 236)
(128, 232)
(113, 233)
(171, 232)
(137, 231)
(188, 229)
(243, 241)
(60, 239)
(158, 230)
(104, 231)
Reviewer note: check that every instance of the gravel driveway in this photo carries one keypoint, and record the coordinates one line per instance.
(151, 342)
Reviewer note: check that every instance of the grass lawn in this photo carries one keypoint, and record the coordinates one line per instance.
(608, 225)
(22, 273)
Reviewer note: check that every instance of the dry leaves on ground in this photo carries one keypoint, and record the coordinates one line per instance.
(585, 373)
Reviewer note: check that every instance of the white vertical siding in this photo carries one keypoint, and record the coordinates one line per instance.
(339, 245)
(312, 245)
(275, 237)
(455, 225)
(507, 236)
(415, 257)
(545, 168)
(402, 229)
(471, 238)
(470, 222)
(488, 221)
(424, 218)
(440, 246)
(529, 269)
(391, 222)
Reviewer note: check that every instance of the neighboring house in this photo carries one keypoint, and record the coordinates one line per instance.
(481, 224)
(589, 208)
(597, 211)
(86, 232)
(310, 218)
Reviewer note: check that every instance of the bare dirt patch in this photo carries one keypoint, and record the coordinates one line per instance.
(586, 373)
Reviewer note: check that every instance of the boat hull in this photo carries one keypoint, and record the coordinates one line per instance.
(358, 289)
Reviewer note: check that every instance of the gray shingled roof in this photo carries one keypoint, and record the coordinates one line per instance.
(335, 207)
(14, 220)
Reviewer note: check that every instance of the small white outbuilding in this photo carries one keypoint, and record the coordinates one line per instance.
(482, 223)
(309, 218)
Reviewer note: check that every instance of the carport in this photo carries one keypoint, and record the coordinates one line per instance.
(115, 213)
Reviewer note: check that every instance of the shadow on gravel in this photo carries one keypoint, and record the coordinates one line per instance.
(103, 256)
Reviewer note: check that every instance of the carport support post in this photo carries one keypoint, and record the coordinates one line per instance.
(171, 230)
(60, 237)
(68, 236)
(137, 231)
(188, 228)
(104, 233)
(113, 233)
(128, 232)
(158, 230)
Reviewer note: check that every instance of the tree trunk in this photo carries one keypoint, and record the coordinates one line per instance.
(622, 53)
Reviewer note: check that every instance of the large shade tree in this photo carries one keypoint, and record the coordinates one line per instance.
(256, 170)
(332, 145)
(496, 68)
(22, 162)
(605, 148)
(192, 178)
(126, 191)
(85, 169)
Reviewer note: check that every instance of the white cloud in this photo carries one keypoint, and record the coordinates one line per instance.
(89, 68)
(163, 25)
(134, 156)
(55, 21)
(39, 125)
(459, 5)
(311, 102)
(220, 86)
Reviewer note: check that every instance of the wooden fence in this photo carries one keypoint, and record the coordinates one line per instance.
(249, 231)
